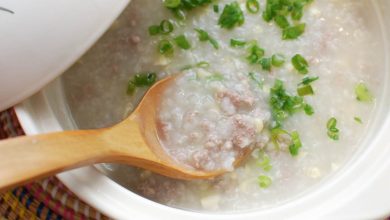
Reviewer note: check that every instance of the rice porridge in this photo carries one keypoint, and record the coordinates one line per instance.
(295, 87)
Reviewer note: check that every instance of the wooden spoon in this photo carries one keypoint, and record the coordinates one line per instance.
(133, 141)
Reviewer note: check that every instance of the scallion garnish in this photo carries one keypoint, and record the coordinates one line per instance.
(362, 93)
(131, 88)
(280, 10)
(216, 8)
(265, 162)
(282, 21)
(266, 63)
(144, 79)
(255, 54)
(141, 80)
(166, 27)
(231, 16)
(264, 181)
(165, 47)
(308, 109)
(305, 90)
(201, 64)
(172, 3)
(204, 36)
(154, 30)
(293, 32)
(276, 134)
(333, 131)
(300, 64)
(256, 78)
(358, 120)
(283, 104)
(278, 60)
(307, 80)
(252, 6)
(297, 8)
(178, 7)
(215, 77)
(296, 143)
(237, 43)
(182, 42)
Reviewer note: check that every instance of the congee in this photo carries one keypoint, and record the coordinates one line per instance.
(296, 81)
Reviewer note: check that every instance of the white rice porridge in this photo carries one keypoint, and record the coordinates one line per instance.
(215, 111)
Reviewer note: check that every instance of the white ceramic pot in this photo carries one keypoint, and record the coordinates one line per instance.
(360, 190)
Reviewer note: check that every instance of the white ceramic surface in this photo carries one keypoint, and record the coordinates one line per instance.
(360, 190)
(42, 38)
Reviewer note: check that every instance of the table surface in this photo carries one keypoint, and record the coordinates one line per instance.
(46, 199)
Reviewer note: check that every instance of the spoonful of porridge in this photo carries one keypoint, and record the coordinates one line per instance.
(141, 140)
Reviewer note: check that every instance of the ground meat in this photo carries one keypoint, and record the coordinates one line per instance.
(244, 131)
(236, 99)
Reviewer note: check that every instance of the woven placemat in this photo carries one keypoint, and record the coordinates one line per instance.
(46, 199)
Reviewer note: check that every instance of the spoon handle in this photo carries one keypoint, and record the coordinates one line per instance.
(27, 158)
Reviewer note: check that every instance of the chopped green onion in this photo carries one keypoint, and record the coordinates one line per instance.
(283, 104)
(179, 14)
(166, 27)
(252, 6)
(282, 21)
(358, 120)
(266, 63)
(214, 43)
(144, 79)
(297, 9)
(278, 60)
(279, 10)
(154, 30)
(307, 80)
(215, 77)
(293, 32)
(297, 13)
(333, 131)
(275, 135)
(362, 93)
(178, 7)
(182, 42)
(300, 64)
(172, 3)
(308, 109)
(296, 143)
(255, 78)
(264, 181)
(141, 80)
(204, 36)
(231, 16)
(165, 47)
(216, 8)
(237, 43)
(202, 64)
(131, 88)
(255, 54)
(305, 90)
(265, 163)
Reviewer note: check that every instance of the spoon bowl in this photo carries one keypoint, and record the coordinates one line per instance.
(134, 141)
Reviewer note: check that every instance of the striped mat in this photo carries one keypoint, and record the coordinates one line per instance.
(47, 199)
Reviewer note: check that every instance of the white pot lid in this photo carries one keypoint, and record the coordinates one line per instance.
(40, 39)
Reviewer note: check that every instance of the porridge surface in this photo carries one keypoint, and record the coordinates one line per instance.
(338, 44)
